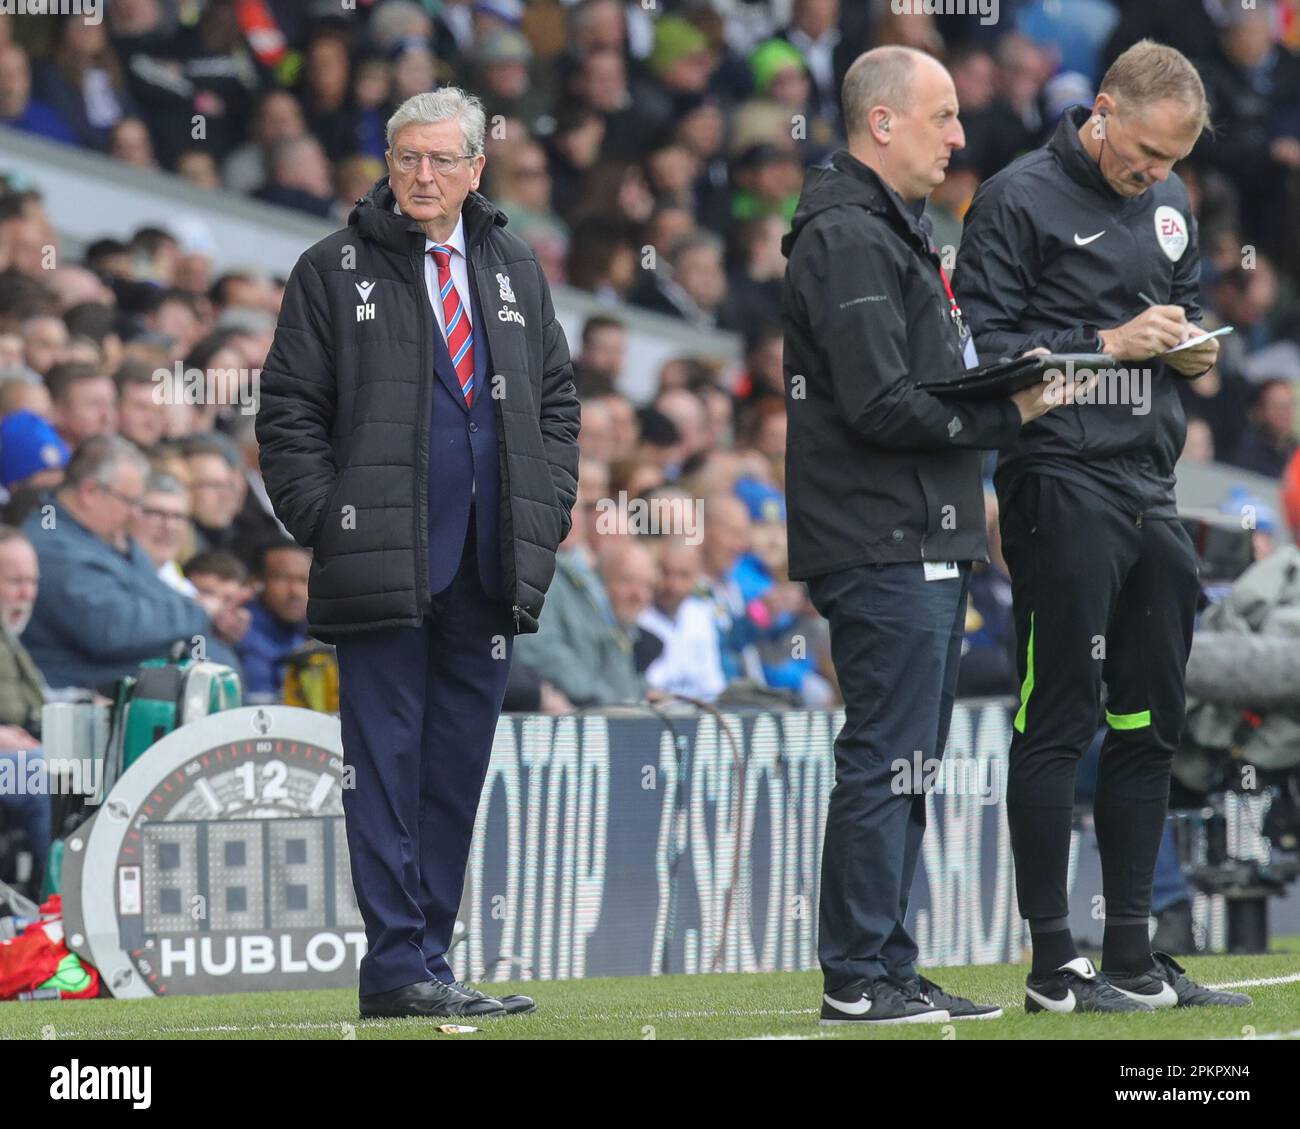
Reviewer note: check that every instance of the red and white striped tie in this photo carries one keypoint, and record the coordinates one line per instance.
(460, 338)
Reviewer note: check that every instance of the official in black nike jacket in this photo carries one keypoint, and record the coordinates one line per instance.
(1062, 249)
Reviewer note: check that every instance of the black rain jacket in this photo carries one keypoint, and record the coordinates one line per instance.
(1050, 253)
(876, 471)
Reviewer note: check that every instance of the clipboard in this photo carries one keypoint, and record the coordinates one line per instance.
(1000, 379)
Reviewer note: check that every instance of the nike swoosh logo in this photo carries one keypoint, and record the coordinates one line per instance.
(364, 289)
(1166, 997)
(857, 1007)
(1078, 242)
(1060, 1006)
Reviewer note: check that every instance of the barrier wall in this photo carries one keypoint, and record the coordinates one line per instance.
(635, 845)
(605, 845)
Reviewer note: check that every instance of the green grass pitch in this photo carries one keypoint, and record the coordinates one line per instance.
(768, 1005)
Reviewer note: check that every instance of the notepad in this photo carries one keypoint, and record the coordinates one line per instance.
(1192, 342)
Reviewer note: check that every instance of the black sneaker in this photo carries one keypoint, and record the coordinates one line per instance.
(876, 1001)
(514, 1005)
(1075, 987)
(957, 1007)
(1166, 984)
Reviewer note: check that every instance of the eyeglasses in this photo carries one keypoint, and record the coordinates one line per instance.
(126, 499)
(444, 164)
(164, 515)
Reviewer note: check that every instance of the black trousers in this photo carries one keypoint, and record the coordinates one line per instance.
(896, 643)
(1101, 596)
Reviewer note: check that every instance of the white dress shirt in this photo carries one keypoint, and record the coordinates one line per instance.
(459, 276)
(459, 279)
(819, 54)
(690, 663)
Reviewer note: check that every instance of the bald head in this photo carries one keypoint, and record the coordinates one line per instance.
(681, 567)
(882, 76)
(726, 532)
(628, 570)
(900, 112)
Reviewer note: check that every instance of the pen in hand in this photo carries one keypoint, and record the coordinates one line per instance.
(1190, 333)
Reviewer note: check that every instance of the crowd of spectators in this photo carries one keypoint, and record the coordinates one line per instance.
(651, 155)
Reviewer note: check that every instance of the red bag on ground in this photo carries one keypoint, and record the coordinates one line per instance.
(31, 958)
(38, 955)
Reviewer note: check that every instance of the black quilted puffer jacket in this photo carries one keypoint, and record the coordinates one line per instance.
(344, 416)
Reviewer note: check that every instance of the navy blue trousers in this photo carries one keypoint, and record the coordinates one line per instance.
(419, 709)
(896, 645)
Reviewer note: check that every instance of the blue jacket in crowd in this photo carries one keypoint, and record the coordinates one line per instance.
(100, 612)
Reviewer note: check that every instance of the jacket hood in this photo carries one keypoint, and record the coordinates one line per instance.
(374, 218)
(846, 181)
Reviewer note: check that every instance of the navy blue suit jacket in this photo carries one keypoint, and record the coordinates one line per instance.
(463, 453)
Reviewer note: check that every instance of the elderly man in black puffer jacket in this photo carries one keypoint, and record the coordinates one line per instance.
(418, 430)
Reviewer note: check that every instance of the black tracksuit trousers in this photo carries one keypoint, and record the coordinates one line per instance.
(1100, 594)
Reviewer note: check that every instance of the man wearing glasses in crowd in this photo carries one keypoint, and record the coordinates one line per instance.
(101, 608)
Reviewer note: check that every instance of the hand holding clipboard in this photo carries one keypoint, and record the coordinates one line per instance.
(1003, 378)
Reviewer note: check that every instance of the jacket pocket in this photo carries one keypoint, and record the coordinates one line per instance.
(928, 508)
(328, 515)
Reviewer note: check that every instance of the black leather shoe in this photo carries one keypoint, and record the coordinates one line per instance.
(428, 998)
(514, 1005)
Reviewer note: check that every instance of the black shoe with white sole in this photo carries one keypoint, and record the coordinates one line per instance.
(1077, 986)
(877, 1002)
(1166, 984)
(957, 1007)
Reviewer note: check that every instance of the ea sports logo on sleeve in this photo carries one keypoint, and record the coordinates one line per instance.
(1171, 231)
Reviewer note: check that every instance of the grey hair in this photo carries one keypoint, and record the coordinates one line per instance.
(19, 374)
(451, 102)
(395, 20)
(695, 241)
(879, 77)
(99, 458)
(159, 483)
(241, 319)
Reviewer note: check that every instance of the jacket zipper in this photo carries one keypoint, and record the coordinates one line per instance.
(424, 599)
(515, 609)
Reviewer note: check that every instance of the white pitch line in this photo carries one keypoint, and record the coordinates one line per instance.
(116, 1032)
(765, 1038)
(730, 1013)
(1268, 1035)
(1262, 983)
